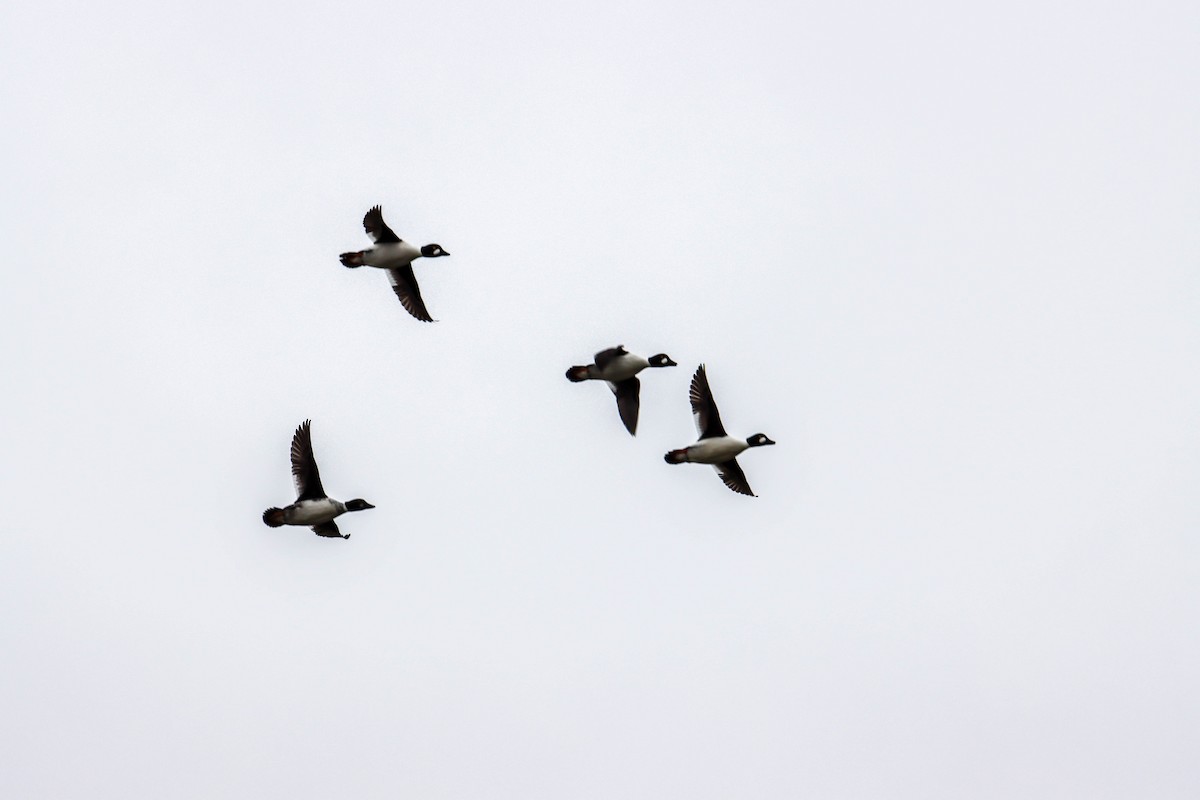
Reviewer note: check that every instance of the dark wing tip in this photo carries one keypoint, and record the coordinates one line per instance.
(704, 408)
(628, 402)
(698, 391)
(302, 436)
(305, 474)
(404, 284)
(376, 228)
(329, 530)
(732, 476)
(413, 305)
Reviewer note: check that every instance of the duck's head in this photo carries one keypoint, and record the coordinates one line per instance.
(433, 251)
(358, 505)
(662, 360)
(758, 440)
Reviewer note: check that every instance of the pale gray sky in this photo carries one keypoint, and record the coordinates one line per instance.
(945, 254)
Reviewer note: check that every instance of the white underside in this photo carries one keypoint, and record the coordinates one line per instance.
(716, 451)
(623, 367)
(391, 255)
(312, 512)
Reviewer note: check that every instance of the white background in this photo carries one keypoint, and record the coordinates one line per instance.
(945, 254)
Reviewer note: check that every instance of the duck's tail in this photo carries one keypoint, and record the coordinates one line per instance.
(676, 456)
(352, 259)
(273, 517)
(577, 374)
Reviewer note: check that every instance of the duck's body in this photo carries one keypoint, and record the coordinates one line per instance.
(614, 364)
(715, 451)
(619, 368)
(312, 507)
(313, 512)
(715, 446)
(388, 255)
(396, 256)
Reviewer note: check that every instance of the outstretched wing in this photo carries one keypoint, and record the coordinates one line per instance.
(329, 530)
(377, 229)
(606, 357)
(304, 465)
(404, 284)
(627, 402)
(733, 477)
(708, 419)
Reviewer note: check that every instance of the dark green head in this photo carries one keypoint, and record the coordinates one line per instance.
(661, 360)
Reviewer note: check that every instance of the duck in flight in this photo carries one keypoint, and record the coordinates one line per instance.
(715, 446)
(396, 256)
(619, 368)
(312, 506)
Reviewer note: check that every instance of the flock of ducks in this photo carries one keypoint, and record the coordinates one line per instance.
(616, 366)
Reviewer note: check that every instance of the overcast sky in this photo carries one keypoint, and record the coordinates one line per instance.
(945, 254)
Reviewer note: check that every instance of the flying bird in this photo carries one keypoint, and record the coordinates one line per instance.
(312, 506)
(396, 256)
(619, 368)
(715, 446)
